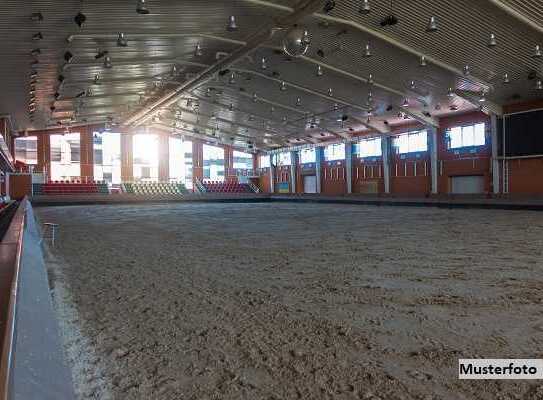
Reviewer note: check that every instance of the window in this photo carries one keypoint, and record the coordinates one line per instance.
(65, 156)
(26, 150)
(187, 151)
(264, 161)
(308, 156)
(145, 157)
(107, 157)
(177, 159)
(213, 163)
(334, 152)
(466, 136)
(368, 148)
(243, 160)
(282, 159)
(411, 142)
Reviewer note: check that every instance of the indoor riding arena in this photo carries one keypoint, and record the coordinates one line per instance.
(271, 200)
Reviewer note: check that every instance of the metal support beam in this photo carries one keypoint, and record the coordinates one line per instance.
(349, 166)
(432, 141)
(495, 160)
(385, 150)
(293, 169)
(518, 15)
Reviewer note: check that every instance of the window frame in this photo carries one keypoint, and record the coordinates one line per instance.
(462, 147)
(405, 138)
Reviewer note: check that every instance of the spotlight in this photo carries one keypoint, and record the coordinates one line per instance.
(537, 52)
(37, 36)
(198, 50)
(107, 62)
(141, 8)
(231, 108)
(539, 84)
(35, 52)
(412, 85)
(466, 70)
(68, 57)
(263, 64)
(232, 79)
(405, 102)
(80, 19)
(367, 50)
(121, 40)
(255, 97)
(423, 62)
(329, 6)
(450, 92)
(319, 71)
(370, 79)
(37, 17)
(492, 41)
(298, 102)
(506, 78)
(365, 7)
(330, 93)
(97, 80)
(232, 26)
(283, 86)
(432, 25)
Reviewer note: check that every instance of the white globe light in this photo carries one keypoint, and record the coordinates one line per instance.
(296, 42)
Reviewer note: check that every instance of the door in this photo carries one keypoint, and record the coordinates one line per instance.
(467, 184)
(310, 184)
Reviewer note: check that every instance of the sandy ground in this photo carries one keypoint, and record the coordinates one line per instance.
(285, 301)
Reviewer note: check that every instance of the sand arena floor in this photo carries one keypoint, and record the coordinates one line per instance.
(295, 301)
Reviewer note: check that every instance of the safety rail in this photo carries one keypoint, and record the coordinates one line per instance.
(10, 261)
(199, 186)
(253, 187)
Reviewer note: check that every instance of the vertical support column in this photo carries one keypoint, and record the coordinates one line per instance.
(293, 170)
(127, 157)
(163, 158)
(44, 155)
(495, 160)
(318, 167)
(197, 161)
(86, 149)
(228, 162)
(272, 175)
(349, 166)
(385, 150)
(433, 145)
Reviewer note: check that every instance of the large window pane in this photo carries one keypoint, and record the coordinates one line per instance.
(243, 160)
(479, 135)
(264, 161)
(334, 152)
(411, 142)
(368, 148)
(455, 136)
(26, 150)
(65, 156)
(213, 163)
(145, 158)
(308, 156)
(107, 157)
(177, 159)
(467, 136)
(282, 159)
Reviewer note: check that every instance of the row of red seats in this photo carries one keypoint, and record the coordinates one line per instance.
(221, 187)
(69, 188)
(76, 182)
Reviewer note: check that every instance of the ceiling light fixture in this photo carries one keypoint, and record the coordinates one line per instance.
(432, 25)
(263, 64)
(121, 40)
(80, 19)
(365, 8)
(370, 79)
(37, 17)
(412, 85)
(320, 72)
(423, 62)
(141, 8)
(330, 93)
(198, 50)
(506, 78)
(537, 52)
(539, 84)
(283, 86)
(97, 80)
(107, 62)
(466, 70)
(35, 52)
(450, 92)
(492, 41)
(37, 36)
(405, 102)
(255, 97)
(232, 26)
(232, 79)
(367, 50)
(298, 102)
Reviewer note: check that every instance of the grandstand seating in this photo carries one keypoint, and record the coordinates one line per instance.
(66, 187)
(227, 187)
(154, 188)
